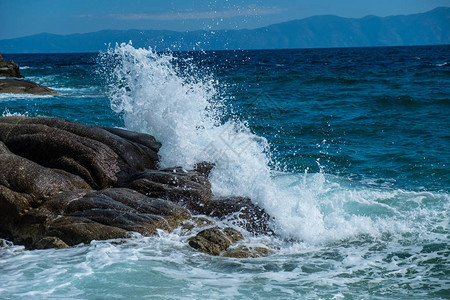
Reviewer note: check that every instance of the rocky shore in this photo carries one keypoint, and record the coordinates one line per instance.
(64, 183)
(11, 81)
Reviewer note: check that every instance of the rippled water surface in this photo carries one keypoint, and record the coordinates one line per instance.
(348, 149)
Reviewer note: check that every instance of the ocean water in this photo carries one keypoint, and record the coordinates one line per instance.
(348, 150)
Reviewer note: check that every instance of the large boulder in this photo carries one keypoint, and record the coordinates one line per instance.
(102, 158)
(71, 218)
(24, 185)
(43, 159)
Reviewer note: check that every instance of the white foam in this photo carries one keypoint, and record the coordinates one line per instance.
(7, 113)
(13, 97)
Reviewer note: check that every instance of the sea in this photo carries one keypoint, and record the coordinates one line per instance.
(347, 149)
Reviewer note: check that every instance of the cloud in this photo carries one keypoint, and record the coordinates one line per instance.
(195, 15)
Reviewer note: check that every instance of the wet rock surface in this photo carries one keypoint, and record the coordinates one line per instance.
(64, 183)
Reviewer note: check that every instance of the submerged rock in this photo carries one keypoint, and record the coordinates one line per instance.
(64, 183)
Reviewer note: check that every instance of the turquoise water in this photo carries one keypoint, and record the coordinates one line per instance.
(346, 148)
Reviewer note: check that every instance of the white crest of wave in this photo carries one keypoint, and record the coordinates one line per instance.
(182, 111)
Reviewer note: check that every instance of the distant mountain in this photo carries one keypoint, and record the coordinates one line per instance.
(430, 28)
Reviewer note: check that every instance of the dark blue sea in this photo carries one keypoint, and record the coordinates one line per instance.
(348, 149)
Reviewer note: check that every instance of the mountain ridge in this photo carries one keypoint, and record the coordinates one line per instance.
(324, 31)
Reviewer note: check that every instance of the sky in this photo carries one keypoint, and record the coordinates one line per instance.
(20, 18)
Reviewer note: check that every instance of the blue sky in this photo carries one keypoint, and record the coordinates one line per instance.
(26, 17)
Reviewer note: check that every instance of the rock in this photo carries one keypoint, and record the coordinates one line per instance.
(3, 148)
(196, 222)
(9, 68)
(233, 234)
(5, 244)
(50, 242)
(187, 188)
(241, 211)
(246, 252)
(21, 86)
(204, 168)
(85, 215)
(76, 230)
(47, 162)
(213, 240)
(25, 185)
(103, 159)
(147, 142)
(23, 176)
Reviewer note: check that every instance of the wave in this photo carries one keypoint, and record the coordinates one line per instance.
(14, 97)
(185, 111)
(442, 64)
(7, 113)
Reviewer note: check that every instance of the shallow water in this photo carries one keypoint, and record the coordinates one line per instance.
(346, 148)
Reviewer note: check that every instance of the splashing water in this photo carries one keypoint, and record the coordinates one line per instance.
(339, 236)
(183, 112)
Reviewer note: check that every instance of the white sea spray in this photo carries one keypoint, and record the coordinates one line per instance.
(181, 110)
